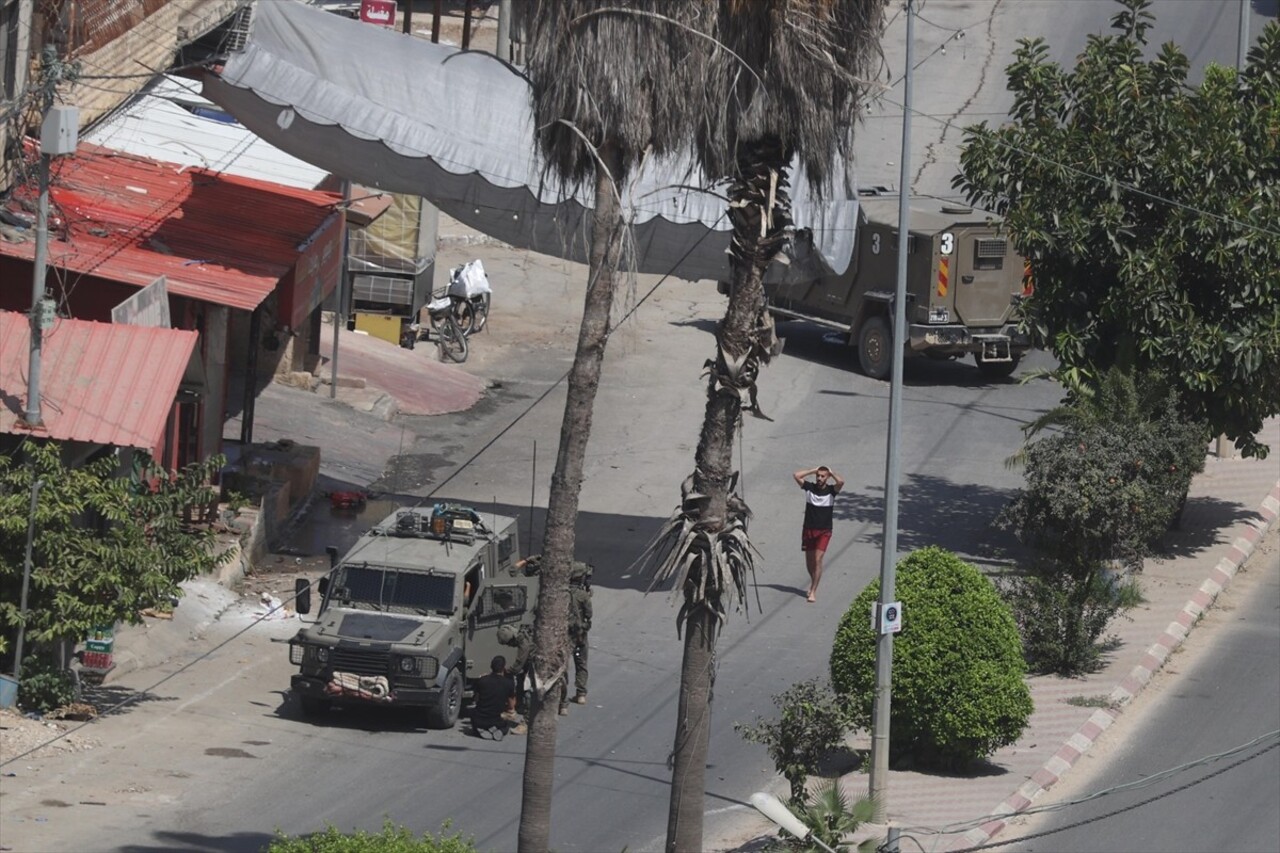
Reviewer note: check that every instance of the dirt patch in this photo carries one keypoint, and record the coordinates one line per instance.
(21, 736)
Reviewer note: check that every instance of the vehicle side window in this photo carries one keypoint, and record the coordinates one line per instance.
(499, 603)
(471, 582)
(989, 254)
(505, 546)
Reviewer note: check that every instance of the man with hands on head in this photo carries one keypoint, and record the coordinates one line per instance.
(816, 534)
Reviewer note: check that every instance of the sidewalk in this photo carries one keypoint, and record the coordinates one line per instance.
(1230, 505)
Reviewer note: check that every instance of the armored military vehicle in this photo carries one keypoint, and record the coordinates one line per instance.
(964, 286)
(410, 615)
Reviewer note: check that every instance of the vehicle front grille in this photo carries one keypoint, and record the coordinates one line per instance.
(361, 661)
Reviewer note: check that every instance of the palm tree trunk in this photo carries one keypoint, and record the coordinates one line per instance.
(760, 212)
(551, 626)
(693, 729)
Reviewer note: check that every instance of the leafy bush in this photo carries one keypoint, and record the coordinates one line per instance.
(1114, 480)
(958, 689)
(391, 839)
(812, 724)
(45, 686)
(1061, 617)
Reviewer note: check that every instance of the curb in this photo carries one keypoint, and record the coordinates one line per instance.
(1079, 743)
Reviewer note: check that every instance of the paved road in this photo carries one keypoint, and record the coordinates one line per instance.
(1224, 692)
(219, 761)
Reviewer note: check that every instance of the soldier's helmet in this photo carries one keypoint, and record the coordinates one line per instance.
(507, 634)
(580, 572)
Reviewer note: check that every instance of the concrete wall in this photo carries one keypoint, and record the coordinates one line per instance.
(152, 44)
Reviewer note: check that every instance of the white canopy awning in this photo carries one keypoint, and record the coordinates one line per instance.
(391, 111)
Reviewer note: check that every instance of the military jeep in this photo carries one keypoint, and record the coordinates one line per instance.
(410, 615)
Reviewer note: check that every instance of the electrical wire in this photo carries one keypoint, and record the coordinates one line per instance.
(289, 598)
(1271, 739)
(1098, 818)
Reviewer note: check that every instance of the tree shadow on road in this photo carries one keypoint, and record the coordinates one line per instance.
(237, 842)
(113, 700)
(933, 510)
(1206, 522)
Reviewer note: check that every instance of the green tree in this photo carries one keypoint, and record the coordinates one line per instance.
(811, 724)
(958, 688)
(105, 546)
(1148, 210)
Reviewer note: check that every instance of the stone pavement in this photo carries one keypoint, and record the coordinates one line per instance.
(1232, 503)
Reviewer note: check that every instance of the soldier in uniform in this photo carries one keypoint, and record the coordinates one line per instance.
(579, 626)
(520, 638)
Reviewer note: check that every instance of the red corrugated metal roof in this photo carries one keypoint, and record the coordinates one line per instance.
(217, 238)
(99, 383)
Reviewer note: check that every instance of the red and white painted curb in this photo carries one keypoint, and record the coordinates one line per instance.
(1080, 742)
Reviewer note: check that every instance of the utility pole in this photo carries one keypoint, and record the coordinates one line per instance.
(1224, 448)
(58, 133)
(879, 783)
(340, 306)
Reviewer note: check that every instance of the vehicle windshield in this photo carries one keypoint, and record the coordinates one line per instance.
(384, 588)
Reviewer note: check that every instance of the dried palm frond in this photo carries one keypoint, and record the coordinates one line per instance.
(708, 561)
(814, 63)
(579, 95)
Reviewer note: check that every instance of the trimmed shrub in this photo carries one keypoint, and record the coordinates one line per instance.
(958, 688)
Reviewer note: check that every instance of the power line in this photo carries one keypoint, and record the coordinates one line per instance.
(994, 844)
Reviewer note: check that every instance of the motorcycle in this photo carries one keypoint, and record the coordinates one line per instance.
(455, 312)
(469, 295)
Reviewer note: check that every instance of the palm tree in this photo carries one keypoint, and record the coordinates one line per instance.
(597, 114)
(787, 80)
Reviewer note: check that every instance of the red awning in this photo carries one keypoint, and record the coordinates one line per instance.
(214, 237)
(99, 383)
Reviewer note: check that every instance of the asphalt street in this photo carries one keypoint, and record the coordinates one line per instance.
(218, 759)
(1224, 692)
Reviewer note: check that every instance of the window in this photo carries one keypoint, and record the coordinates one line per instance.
(989, 254)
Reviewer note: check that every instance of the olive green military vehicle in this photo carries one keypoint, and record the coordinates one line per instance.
(410, 616)
(964, 286)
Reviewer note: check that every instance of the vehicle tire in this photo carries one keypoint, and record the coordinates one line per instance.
(875, 347)
(313, 707)
(443, 714)
(451, 341)
(464, 315)
(480, 307)
(997, 369)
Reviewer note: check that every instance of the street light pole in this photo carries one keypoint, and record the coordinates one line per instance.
(879, 782)
(1242, 43)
